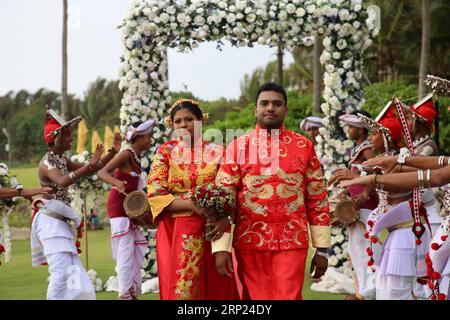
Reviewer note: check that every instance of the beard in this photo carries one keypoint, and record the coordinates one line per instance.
(274, 123)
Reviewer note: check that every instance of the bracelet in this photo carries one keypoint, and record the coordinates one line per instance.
(100, 162)
(448, 161)
(91, 167)
(72, 176)
(441, 161)
(404, 153)
(429, 178)
(230, 220)
(420, 179)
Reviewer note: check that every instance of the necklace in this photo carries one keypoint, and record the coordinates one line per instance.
(418, 142)
(136, 158)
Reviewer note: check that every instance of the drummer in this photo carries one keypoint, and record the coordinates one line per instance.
(357, 243)
(128, 244)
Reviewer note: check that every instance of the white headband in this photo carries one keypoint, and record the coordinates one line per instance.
(141, 130)
(311, 122)
(352, 120)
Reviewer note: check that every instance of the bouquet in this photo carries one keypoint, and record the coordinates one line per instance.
(216, 199)
(87, 187)
(7, 181)
(6, 208)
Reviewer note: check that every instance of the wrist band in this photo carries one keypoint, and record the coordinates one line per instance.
(72, 176)
(448, 161)
(429, 178)
(420, 179)
(441, 161)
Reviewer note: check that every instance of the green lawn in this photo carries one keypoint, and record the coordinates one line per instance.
(28, 177)
(18, 280)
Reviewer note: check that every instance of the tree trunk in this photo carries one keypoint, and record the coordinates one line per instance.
(280, 63)
(425, 46)
(64, 100)
(317, 77)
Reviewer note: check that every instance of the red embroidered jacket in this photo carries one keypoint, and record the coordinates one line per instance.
(280, 190)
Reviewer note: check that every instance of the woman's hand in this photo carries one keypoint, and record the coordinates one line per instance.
(120, 186)
(201, 211)
(117, 142)
(365, 180)
(97, 155)
(219, 226)
(341, 175)
(387, 163)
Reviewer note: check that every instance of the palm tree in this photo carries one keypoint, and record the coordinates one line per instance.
(64, 100)
(425, 47)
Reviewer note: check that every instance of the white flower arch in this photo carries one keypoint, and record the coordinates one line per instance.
(152, 26)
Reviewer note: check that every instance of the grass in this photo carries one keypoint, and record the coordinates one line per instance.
(20, 281)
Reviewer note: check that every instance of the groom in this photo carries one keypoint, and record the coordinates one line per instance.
(280, 190)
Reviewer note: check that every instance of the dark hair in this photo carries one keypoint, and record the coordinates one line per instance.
(364, 113)
(271, 86)
(192, 107)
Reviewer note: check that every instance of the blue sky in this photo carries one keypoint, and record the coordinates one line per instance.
(30, 55)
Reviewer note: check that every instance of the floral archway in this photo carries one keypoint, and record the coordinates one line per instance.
(152, 26)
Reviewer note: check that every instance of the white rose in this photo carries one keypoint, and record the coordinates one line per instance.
(222, 4)
(154, 75)
(143, 76)
(282, 15)
(199, 20)
(290, 8)
(333, 261)
(340, 238)
(251, 18)
(341, 44)
(336, 55)
(344, 14)
(300, 12)
(231, 17)
(164, 17)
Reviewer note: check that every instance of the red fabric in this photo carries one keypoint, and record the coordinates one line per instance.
(280, 190)
(395, 128)
(114, 205)
(50, 125)
(357, 189)
(186, 266)
(426, 110)
(271, 275)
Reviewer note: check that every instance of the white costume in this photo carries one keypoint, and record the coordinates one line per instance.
(402, 260)
(52, 242)
(128, 243)
(440, 257)
(357, 246)
(128, 246)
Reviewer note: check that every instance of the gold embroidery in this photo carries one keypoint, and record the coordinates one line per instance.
(227, 179)
(250, 232)
(188, 286)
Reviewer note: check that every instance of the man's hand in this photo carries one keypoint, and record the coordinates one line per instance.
(319, 264)
(219, 227)
(223, 260)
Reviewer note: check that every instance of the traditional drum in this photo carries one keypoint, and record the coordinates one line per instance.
(345, 212)
(138, 210)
